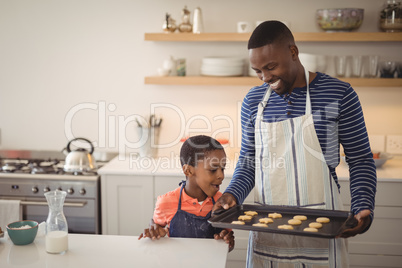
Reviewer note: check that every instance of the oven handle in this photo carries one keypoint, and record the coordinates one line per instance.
(66, 204)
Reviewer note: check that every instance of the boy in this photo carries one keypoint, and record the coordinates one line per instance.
(185, 211)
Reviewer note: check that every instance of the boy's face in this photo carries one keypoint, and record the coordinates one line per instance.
(209, 173)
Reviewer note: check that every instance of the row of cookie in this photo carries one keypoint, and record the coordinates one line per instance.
(297, 220)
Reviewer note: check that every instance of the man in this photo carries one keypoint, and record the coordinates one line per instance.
(292, 126)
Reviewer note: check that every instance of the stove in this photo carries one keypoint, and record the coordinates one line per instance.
(27, 175)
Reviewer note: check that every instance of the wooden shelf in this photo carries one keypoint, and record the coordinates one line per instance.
(254, 81)
(299, 37)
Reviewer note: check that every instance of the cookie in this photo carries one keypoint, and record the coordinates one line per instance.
(316, 225)
(300, 217)
(238, 222)
(294, 222)
(244, 217)
(266, 220)
(285, 226)
(251, 213)
(322, 220)
(259, 224)
(310, 229)
(274, 215)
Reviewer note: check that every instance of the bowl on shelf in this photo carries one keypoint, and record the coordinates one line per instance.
(379, 158)
(340, 19)
(22, 232)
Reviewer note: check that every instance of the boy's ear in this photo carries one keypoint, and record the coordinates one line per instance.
(188, 170)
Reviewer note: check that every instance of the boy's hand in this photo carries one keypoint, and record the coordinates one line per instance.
(155, 231)
(228, 237)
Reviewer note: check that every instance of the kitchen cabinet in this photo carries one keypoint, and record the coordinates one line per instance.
(381, 245)
(252, 81)
(127, 203)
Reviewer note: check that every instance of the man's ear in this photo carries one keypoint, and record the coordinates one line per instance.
(188, 170)
(295, 51)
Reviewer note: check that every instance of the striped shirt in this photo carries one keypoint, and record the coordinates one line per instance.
(338, 119)
(167, 204)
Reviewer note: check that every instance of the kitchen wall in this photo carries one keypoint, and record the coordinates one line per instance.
(77, 68)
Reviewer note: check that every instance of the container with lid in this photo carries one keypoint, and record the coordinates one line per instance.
(391, 17)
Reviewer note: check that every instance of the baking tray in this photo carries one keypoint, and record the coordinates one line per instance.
(339, 220)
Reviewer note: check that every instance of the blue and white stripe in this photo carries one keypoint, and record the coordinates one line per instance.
(338, 119)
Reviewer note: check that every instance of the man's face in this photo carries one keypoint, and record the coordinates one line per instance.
(276, 65)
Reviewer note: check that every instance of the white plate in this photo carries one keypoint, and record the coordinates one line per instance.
(222, 73)
(222, 69)
(222, 61)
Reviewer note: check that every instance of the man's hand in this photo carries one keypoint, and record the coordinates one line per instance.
(155, 231)
(226, 201)
(363, 220)
(228, 237)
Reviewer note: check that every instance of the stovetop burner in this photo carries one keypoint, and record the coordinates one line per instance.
(38, 166)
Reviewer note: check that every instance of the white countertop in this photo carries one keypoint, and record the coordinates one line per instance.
(390, 171)
(165, 166)
(117, 251)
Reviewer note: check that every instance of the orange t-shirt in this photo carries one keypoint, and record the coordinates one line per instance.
(167, 204)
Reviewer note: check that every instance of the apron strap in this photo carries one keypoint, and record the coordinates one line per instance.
(182, 183)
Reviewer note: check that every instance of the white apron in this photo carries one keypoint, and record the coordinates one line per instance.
(291, 170)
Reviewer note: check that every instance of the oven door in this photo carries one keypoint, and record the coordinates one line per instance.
(82, 214)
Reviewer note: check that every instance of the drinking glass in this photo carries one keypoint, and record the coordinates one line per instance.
(340, 66)
(356, 65)
(370, 66)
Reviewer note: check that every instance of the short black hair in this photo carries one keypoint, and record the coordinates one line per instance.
(269, 32)
(195, 148)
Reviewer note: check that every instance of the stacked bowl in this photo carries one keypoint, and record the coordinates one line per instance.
(222, 66)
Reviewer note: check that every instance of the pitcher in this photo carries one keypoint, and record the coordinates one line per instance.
(56, 223)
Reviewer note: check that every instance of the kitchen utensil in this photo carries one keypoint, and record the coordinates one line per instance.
(370, 66)
(185, 25)
(340, 66)
(387, 69)
(198, 25)
(337, 218)
(169, 24)
(22, 232)
(391, 17)
(79, 160)
(222, 66)
(244, 27)
(340, 19)
(181, 67)
(399, 69)
(356, 65)
(56, 223)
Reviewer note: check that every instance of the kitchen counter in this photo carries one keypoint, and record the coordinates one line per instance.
(390, 171)
(134, 165)
(121, 251)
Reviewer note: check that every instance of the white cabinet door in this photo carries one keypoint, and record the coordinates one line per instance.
(127, 204)
(381, 245)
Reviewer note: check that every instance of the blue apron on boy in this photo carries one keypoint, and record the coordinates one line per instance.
(184, 224)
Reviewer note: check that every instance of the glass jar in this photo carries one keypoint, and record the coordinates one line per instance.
(391, 17)
(56, 223)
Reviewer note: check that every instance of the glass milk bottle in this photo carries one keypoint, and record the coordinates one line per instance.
(56, 223)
